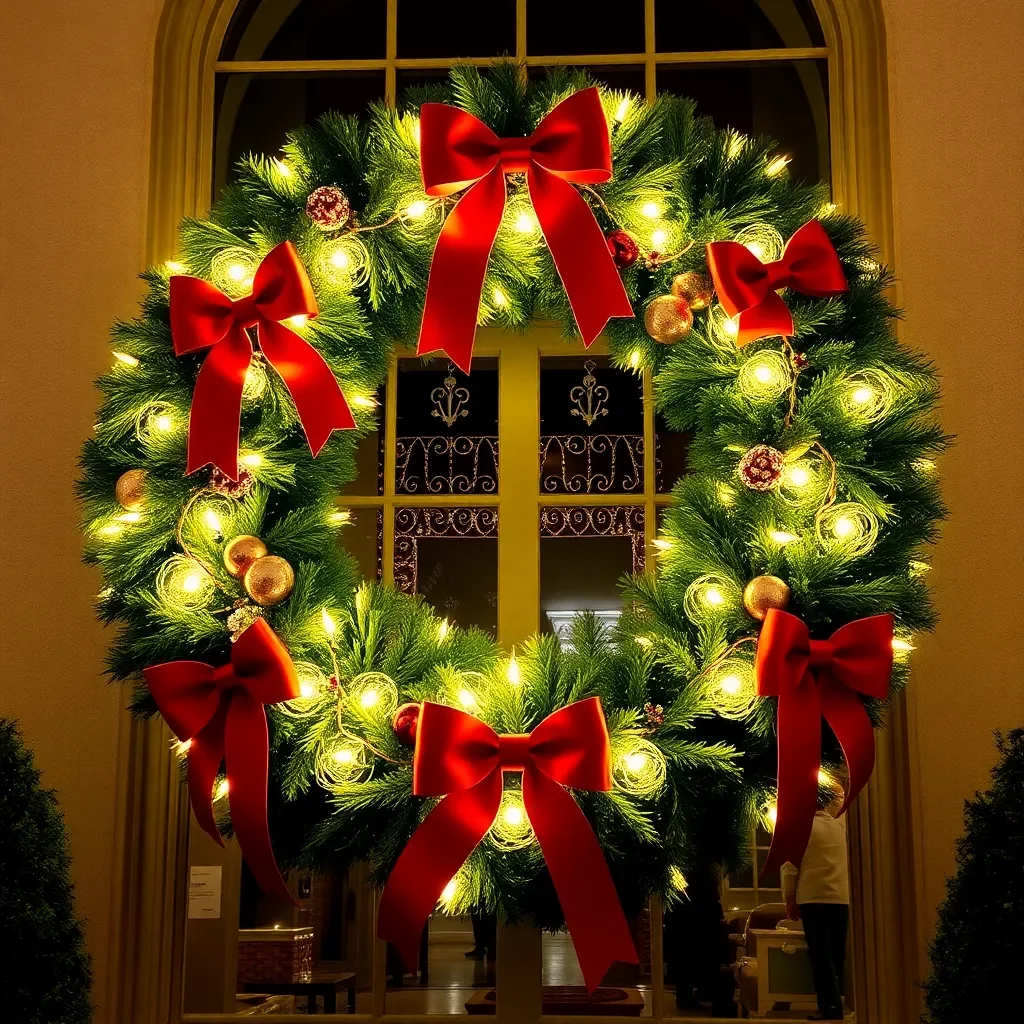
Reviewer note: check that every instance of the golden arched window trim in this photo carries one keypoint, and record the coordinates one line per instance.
(146, 955)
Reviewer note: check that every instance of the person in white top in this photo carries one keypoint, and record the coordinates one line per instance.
(818, 894)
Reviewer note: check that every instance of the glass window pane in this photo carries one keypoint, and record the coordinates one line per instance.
(772, 880)
(306, 30)
(450, 556)
(362, 538)
(592, 427)
(459, 29)
(694, 25)
(369, 477)
(576, 26)
(672, 451)
(614, 76)
(254, 113)
(584, 552)
(787, 100)
(447, 428)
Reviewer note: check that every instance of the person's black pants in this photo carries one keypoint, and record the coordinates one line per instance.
(825, 930)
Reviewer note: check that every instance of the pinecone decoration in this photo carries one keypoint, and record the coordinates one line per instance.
(760, 469)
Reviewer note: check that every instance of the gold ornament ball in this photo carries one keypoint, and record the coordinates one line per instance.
(241, 552)
(764, 592)
(668, 319)
(130, 489)
(269, 580)
(695, 288)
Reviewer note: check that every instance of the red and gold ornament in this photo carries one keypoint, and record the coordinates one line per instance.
(130, 488)
(328, 208)
(668, 319)
(223, 484)
(761, 467)
(622, 245)
(405, 724)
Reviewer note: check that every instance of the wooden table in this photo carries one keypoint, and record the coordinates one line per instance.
(326, 985)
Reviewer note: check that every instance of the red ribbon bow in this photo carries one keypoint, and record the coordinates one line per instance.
(461, 758)
(747, 287)
(457, 150)
(204, 317)
(813, 678)
(220, 710)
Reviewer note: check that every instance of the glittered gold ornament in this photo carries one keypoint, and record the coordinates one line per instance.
(240, 552)
(668, 319)
(130, 489)
(695, 288)
(764, 592)
(269, 580)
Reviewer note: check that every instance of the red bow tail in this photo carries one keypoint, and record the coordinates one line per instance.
(221, 711)
(814, 679)
(459, 755)
(571, 144)
(203, 317)
(747, 288)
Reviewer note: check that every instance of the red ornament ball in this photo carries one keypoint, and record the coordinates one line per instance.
(328, 208)
(760, 469)
(622, 245)
(405, 723)
(223, 484)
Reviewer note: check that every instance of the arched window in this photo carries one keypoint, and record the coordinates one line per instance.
(544, 456)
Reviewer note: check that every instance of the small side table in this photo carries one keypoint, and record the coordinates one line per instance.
(326, 985)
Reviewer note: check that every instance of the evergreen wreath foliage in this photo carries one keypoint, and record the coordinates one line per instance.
(45, 972)
(976, 949)
(849, 408)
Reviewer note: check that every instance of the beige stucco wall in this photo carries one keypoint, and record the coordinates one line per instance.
(75, 87)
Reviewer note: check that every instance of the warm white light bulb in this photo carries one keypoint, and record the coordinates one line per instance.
(636, 762)
(622, 110)
(466, 698)
(658, 238)
(175, 267)
(634, 358)
(844, 527)
(862, 396)
(713, 596)
(797, 476)
(130, 517)
(343, 755)
(340, 517)
(212, 520)
(163, 422)
(368, 698)
(901, 646)
(253, 459)
(416, 209)
(661, 544)
(282, 168)
(651, 210)
(364, 402)
(731, 684)
(513, 815)
(731, 326)
(298, 321)
(512, 673)
(643, 641)
(330, 626)
(783, 536)
(340, 259)
(756, 249)
(192, 582)
(500, 298)
(238, 271)
(222, 790)
(123, 357)
(525, 223)
(764, 374)
(772, 814)
(777, 166)
(442, 630)
(306, 689)
(824, 779)
(449, 890)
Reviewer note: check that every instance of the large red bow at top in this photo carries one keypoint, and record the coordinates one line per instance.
(812, 678)
(204, 317)
(461, 758)
(747, 287)
(220, 710)
(457, 150)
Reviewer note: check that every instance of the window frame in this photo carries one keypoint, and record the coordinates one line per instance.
(144, 966)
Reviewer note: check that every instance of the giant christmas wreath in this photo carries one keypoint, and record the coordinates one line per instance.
(559, 785)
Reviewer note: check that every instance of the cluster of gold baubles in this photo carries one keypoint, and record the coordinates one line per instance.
(268, 579)
(669, 318)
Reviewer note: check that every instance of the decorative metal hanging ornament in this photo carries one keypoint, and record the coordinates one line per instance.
(450, 401)
(589, 397)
